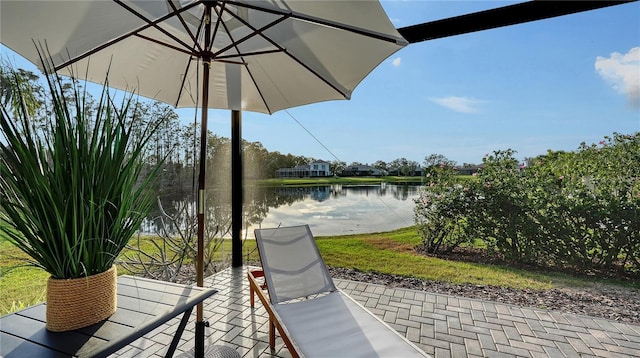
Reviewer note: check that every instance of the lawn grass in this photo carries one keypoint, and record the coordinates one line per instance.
(22, 285)
(389, 252)
(392, 253)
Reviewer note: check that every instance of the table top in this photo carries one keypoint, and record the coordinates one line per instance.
(143, 305)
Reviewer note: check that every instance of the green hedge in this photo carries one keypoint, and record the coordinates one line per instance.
(567, 209)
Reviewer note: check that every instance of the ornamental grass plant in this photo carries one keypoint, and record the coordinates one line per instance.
(74, 185)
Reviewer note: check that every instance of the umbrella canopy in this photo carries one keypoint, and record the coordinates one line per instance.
(266, 55)
(255, 55)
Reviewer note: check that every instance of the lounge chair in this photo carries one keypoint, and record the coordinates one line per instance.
(313, 317)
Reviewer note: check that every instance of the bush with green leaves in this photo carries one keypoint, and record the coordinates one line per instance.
(71, 193)
(568, 209)
(442, 208)
(505, 217)
(596, 210)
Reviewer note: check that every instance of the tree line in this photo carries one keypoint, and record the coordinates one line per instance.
(177, 143)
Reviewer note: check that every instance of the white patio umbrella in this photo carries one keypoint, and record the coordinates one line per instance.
(253, 55)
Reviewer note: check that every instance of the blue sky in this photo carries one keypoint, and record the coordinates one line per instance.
(550, 84)
(529, 87)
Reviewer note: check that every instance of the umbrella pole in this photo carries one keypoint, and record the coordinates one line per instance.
(200, 323)
(236, 188)
(206, 62)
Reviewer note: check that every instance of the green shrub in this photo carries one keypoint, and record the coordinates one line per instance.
(442, 209)
(579, 209)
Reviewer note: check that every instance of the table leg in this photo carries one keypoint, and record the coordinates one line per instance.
(176, 337)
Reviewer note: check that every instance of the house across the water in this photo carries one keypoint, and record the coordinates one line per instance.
(319, 168)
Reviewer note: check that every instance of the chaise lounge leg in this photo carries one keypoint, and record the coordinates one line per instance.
(251, 293)
(272, 334)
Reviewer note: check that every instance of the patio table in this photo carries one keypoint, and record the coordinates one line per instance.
(143, 305)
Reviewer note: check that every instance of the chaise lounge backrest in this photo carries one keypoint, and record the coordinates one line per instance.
(295, 268)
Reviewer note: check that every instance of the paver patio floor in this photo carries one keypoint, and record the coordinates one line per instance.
(442, 325)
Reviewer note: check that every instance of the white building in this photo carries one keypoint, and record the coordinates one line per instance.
(315, 169)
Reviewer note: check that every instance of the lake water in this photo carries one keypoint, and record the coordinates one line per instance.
(342, 209)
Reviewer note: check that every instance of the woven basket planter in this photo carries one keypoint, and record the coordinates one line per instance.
(80, 302)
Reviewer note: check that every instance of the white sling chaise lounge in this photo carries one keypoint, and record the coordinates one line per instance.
(314, 318)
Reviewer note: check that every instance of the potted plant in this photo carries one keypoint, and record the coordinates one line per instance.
(72, 194)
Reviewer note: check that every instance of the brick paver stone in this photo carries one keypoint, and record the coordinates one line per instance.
(444, 326)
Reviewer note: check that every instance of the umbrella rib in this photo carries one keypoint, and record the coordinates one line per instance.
(217, 25)
(184, 78)
(184, 24)
(118, 39)
(282, 49)
(360, 31)
(231, 62)
(285, 15)
(154, 24)
(234, 44)
(254, 53)
(315, 73)
(260, 32)
(255, 83)
(255, 32)
(353, 29)
(188, 52)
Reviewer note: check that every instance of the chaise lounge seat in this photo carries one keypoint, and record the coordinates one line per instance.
(313, 317)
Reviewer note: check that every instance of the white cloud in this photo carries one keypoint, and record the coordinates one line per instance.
(396, 62)
(622, 72)
(458, 104)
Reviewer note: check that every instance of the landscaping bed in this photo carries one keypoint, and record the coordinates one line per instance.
(610, 302)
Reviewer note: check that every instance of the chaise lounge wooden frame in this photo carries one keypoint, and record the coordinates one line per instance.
(313, 317)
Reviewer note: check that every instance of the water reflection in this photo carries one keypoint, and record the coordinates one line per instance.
(329, 209)
(340, 209)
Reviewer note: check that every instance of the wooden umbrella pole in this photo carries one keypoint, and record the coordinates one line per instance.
(206, 62)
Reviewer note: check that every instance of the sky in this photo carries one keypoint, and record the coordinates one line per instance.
(549, 84)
